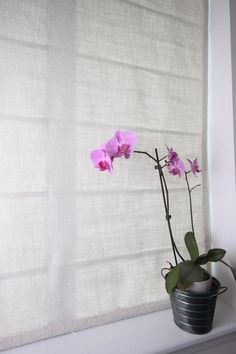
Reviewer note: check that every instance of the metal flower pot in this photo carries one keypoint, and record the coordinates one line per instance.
(194, 312)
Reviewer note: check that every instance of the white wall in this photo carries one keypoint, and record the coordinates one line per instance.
(233, 57)
(221, 143)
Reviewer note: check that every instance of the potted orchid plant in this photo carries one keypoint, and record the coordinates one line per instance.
(184, 275)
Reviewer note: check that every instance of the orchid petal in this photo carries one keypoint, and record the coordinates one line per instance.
(176, 167)
(194, 166)
(121, 144)
(101, 160)
(172, 155)
(112, 147)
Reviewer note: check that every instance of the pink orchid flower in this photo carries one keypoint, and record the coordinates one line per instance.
(121, 144)
(194, 166)
(172, 155)
(176, 167)
(102, 160)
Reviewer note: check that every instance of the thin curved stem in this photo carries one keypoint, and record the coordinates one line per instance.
(145, 153)
(197, 185)
(233, 270)
(163, 158)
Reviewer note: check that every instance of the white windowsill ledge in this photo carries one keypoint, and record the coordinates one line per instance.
(149, 334)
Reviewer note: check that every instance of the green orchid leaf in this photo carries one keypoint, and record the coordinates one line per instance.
(183, 286)
(172, 279)
(191, 245)
(197, 274)
(190, 272)
(215, 254)
(202, 259)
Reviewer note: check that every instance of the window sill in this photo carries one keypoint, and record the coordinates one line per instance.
(148, 334)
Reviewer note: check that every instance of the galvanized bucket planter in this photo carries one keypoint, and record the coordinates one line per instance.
(194, 312)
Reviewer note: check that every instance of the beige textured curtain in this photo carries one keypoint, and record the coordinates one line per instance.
(78, 247)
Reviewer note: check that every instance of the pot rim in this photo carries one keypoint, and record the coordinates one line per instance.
(188, 293)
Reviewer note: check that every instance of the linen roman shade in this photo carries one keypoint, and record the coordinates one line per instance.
(78, 247)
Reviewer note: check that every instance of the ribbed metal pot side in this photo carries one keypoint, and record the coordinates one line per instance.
(194, 312)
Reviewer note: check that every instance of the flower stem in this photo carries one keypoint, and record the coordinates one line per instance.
(163, 158)
(146, 153)
(165, 195)
(190, 201)
(197, 185)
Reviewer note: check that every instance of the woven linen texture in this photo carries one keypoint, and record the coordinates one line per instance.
(78, 247)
